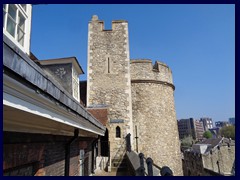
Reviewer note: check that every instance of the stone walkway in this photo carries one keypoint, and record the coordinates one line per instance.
(112, 173)
(104, 173)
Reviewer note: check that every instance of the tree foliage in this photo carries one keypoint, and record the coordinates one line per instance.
(187, 141)
(207, 134)
(228, 132)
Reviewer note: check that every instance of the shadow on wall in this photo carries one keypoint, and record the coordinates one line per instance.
(26, 154)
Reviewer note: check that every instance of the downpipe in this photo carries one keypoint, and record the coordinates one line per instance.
(67, 152)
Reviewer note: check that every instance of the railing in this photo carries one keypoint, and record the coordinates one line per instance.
(119, 155)
(141, 166)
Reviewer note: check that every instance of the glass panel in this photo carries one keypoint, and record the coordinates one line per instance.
(3, 18)
(11, 26)
(24, 6)
(20, 36)
(12, 11)
(21, 21)
(4, 13)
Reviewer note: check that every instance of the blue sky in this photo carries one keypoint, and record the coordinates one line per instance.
(196, 41)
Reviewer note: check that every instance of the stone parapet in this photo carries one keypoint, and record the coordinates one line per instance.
(142, 69)
(99, 24)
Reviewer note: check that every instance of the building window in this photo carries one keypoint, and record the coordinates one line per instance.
(75, 84)
(4, 13)
(24, 6)
(14, 18)
(11, 19)
(118, 132)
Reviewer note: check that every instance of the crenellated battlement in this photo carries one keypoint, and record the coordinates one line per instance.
(144, 70)
(99, 24)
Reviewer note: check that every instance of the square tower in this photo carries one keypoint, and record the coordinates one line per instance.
(109, 79)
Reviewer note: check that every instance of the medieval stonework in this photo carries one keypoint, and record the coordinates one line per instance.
(154, 113)
(210, 157)
(139, 96)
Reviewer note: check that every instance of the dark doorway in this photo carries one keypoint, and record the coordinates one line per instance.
(104, 144)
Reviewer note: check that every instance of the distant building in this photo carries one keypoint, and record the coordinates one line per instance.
(221, 124)
(199, 129)
(212, 157)
(185, 128)
(231, 121)
(190, 127)
(215, 132)
(207, 123)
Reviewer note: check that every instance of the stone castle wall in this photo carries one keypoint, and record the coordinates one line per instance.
(137, 94)
(225, 155)
(154, 113)
(201, 164)
(109, 78)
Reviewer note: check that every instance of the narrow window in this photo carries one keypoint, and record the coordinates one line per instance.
(118, 132)
(108, 65)
(11, 20)
(20, 30)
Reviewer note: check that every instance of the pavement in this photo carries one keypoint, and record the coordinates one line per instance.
(112, 173)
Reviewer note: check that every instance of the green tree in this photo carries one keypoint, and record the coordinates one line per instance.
(187, 141)
(207, 134)
(228, 132)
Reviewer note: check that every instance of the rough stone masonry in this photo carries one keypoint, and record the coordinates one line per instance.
(139, 96)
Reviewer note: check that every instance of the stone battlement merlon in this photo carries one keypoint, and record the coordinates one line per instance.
(101, 23)
(143, 69)
(156, 65)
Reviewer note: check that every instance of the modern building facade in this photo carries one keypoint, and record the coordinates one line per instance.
(199, 129)
(190, 127)
(207, 123)
(186, 128)
(221, 124)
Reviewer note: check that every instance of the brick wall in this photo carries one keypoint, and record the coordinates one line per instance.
(41, 155)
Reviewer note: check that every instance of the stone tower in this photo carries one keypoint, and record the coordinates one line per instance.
(154, 114)
(108, 81)
(139, 96)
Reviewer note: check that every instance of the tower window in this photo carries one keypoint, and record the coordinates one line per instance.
(108, 65)
(118, 132)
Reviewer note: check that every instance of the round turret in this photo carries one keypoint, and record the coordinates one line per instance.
(154, 114)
